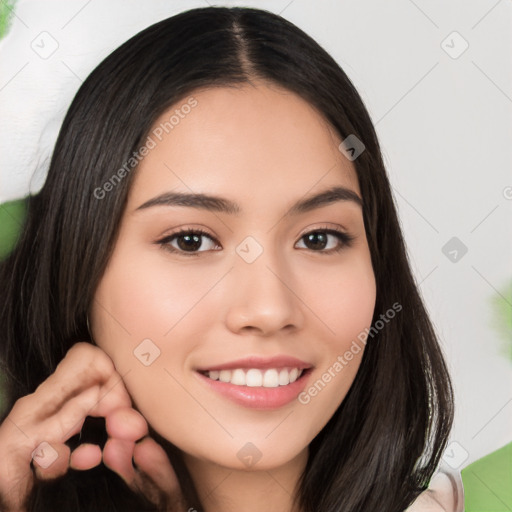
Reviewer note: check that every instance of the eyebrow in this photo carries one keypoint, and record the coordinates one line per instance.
(223, 205)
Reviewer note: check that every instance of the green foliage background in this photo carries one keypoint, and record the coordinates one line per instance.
(6, 13)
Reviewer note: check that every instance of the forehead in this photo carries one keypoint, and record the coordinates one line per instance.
(251, 143)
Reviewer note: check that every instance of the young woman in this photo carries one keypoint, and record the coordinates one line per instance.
(210, 306)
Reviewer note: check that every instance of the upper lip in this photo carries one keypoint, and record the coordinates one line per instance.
(280, 361)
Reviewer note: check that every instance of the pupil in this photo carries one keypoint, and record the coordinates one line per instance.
(192, 242)
(317, 240)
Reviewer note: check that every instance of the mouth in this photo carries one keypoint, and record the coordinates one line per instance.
(258, 383)
(256, 377)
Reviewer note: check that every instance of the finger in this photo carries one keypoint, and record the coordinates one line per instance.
(84, 383)
(50, 460)
(94, 401)
(83, 366)
(86, 456)
(80, 386)
(151, 460)
(26, 434)
(127, 424)
(117, 455)
(111, 395)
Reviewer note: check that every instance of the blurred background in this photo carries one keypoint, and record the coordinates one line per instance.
(436, 77)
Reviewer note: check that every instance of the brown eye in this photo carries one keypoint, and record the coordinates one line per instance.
(316, 240)
(326, 240)
(188, 241)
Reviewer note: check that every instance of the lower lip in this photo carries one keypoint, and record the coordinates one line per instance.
(258, 397)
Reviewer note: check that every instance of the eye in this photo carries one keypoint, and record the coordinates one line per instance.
(326, 241)
(188, 241)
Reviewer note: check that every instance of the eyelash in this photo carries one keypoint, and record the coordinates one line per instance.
(346, 240)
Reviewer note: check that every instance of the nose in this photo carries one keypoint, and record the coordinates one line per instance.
(262, 299)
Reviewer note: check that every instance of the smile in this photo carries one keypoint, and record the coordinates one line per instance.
(254, 388)
(254, 377)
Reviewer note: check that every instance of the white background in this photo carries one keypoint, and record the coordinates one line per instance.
(444, 123)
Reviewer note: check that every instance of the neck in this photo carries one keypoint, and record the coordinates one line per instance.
(231, 490)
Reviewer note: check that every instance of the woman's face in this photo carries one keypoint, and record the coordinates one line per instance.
(258, 295)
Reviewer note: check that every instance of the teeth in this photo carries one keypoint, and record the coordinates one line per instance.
(238, 378)
(271, 378)
(225, 375)
(254, 378)
(284, 377)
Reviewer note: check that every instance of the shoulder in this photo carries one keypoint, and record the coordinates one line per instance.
(443, 495)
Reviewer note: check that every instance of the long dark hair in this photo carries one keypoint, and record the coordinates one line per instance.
(381, 447)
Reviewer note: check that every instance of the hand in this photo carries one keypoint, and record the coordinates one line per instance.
(33, 435)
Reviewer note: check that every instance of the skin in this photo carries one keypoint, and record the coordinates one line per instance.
(441, 496)
(210, 309)
(264, 148)
(32, 437)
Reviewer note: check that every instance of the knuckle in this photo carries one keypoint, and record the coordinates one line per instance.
(81, 349)
(102, 365)
(90, 359)
(22, 404)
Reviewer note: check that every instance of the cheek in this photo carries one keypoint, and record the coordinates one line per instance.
(140, 315)
(343, 299)
(142, 296)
